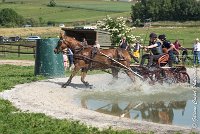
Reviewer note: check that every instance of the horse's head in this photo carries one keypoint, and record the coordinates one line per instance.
(67, 42)
(60, 45)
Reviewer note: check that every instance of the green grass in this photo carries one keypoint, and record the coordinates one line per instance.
(187, 35)
(15, 121)
(11, 75)
(13, 56)
(68, 11)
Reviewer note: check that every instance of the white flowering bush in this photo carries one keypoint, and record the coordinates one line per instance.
(117, 28)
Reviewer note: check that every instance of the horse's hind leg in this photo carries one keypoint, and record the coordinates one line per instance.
(115, 72)
(83, 75)
(131, 75)
(68, 81)
(74, 72)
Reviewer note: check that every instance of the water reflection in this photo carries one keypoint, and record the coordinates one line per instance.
(175, 110)
(159, 112)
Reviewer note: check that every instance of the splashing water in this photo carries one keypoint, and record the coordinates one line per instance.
(160, 103)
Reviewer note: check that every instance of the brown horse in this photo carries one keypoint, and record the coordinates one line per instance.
(90, 58)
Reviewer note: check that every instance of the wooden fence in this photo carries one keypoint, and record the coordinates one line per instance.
(19, 48)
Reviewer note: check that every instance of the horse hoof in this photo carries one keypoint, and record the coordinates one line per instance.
(90, 86)
(86, 84)
(64, 86)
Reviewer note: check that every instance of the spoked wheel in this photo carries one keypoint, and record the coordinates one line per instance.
(183, 77)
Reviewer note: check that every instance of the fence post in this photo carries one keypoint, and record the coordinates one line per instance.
(18, 50)
(47, 63)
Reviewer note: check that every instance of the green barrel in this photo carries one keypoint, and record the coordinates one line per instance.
(47, 63)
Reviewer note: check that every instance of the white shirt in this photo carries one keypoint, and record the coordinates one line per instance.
(97, 45)
(197, 46)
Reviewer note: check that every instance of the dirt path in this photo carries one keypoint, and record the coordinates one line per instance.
(49, 98)
(18, 62)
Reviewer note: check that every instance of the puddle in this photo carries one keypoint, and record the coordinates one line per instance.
(164, 104)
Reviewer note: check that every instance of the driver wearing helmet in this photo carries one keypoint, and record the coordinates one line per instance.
(170, 47)
(155, 45)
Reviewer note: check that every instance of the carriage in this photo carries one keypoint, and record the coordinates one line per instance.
(109, 59)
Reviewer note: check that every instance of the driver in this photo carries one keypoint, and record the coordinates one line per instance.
(155, 45)
(170, 48)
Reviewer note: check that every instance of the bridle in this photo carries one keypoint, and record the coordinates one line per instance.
(75, 49)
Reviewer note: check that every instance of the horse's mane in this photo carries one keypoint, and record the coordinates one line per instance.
(73, 43)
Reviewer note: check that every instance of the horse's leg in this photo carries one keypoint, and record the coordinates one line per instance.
(74, 72)
(83, 75)
(115, 73)
(131, 75)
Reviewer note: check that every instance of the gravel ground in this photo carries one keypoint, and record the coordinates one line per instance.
(49, 98)
(17, 62)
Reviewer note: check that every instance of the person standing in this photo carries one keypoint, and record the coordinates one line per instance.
(97, 45)
(70, 58)
(135, 54)
(177, 46)
(65, 59)
(196, 51)
(124, 43)
(84, 42)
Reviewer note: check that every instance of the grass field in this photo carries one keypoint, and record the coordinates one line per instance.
(67, 11)
(186, 35)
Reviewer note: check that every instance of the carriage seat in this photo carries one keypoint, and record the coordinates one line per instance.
(163, 60)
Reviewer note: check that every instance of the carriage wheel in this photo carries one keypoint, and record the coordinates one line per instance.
(183, 77)
(170, 77)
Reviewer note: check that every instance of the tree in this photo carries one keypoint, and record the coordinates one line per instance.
(52, 3)
(166, 11)
(41, 21)
(9, 18)
(117, 28)
(138, 12)
(159, 10)
(31, 21)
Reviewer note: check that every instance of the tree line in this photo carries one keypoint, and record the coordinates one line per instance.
(166, 10)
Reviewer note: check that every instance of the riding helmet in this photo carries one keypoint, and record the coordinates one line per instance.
(152, 35)
(162, 37)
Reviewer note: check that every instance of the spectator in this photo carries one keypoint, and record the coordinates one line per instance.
(95, 49)
(97, 45)
(196, 51)
(84, 42)
(65, 59)
(178, 46)
(70, 58)
(124, 43)
(136, 51)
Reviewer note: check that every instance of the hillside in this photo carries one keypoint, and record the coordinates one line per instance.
(68, 11)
